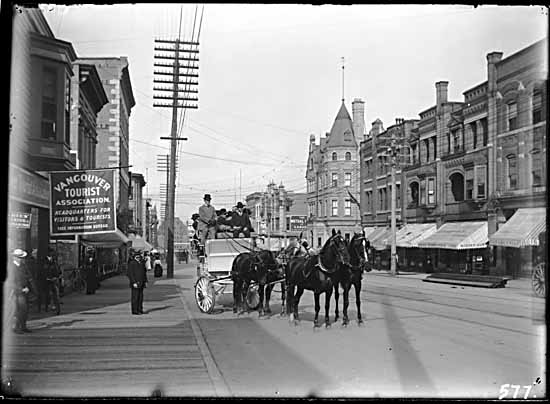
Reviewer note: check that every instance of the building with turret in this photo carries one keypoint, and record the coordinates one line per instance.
(332, 177)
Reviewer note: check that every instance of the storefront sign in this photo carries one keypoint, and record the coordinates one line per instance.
(20, 220)
(82, 202)
(28, 187)
(298, 223)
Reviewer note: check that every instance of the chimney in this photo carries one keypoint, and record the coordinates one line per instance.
(377, 128)
(441, 92)
(358, 111)
(492, 59)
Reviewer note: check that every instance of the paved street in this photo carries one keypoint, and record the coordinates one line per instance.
(419, 339)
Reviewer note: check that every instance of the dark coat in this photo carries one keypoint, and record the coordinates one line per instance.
(51, 269)
(91, 274)
(241, 220)
(21, 277)
(137, 273)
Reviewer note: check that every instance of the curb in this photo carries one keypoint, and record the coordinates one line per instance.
(220, 386)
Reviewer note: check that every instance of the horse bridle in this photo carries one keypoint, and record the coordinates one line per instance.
(364, 250)
(338, 251)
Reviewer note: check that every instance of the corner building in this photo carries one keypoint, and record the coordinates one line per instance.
(332, 174)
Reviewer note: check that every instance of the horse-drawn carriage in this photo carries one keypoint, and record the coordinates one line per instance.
(215, 262)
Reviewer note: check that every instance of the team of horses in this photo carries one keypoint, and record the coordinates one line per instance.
(338, 264)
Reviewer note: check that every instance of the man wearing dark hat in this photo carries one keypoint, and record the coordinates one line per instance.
(240, 222)
(207, 220)
(21, 287)
(137, 275)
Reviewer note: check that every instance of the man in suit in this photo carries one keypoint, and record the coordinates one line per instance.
(207, 220)
(240, 222)
(21, 287)
(138, 278)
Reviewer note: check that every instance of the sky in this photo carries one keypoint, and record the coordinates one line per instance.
(271, 75)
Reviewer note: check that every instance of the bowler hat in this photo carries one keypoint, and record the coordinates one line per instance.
(207, 197)
(240, 205)
(19, 253)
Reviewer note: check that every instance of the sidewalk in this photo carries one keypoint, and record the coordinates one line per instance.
(520, 286)
(97, 348)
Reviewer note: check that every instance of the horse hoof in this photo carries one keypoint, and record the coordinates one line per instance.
(360, 322)
(327, 325)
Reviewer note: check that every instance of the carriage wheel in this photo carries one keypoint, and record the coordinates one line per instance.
(252, 297)
(538, 280)
(205, 296)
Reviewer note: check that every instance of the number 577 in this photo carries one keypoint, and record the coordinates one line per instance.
(516, 387)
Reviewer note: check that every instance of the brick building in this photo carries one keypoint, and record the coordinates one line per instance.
(468, 167)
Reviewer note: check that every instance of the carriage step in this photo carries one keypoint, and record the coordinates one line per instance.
(468, 280)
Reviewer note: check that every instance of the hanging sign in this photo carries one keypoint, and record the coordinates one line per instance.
(82, 202)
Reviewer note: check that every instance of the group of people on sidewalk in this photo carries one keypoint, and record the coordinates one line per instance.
(28, 277)
(41, 282)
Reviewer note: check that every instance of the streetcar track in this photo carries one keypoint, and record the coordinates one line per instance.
(428, 300)
(455, 318)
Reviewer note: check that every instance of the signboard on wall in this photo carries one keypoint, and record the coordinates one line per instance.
(19, 220)
(298, 223)
(82, 202)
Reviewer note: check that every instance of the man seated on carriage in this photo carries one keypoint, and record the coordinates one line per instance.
(241, 222)
(223, 224)
(207, 220)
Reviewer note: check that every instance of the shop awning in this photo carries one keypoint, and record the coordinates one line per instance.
(112, 239)
(458, 236)
(370, 230)
(138, 243)
(411, 234)
(381, 239)
(522, 229)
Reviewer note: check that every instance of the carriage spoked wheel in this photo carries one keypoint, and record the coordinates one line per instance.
(205, 296)
(538, 280)
(252, 297)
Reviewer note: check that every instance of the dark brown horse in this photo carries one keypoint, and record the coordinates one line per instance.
(357, 248)
(254, 266)
(316, 273)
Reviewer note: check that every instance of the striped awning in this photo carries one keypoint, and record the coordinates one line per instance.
(458, 236)
(370, 231)
(381, 239)
(411, 234)
(522, 229)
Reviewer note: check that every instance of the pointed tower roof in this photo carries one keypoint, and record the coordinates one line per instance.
(341, 133)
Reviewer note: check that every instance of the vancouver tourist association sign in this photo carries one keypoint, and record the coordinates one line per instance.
(82, 202)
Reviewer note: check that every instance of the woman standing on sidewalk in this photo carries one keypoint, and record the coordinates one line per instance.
(91, 272)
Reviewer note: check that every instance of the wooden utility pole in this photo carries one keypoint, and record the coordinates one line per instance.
(393, 150)
(175, 55)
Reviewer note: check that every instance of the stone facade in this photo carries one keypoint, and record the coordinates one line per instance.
(332, 174)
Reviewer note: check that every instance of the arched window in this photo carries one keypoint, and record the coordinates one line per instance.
(348, 156)
(512, 171)
(413, 193)
(334, 156)
(457, 186)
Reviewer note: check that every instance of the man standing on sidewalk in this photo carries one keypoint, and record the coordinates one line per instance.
(21, 287)
(138, 279)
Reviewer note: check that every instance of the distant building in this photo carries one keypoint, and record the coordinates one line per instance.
(278, 212)
(113, 126)
(332, 177)
(136, 204)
